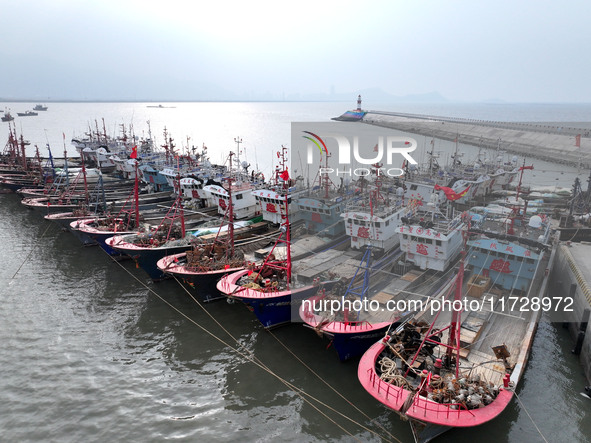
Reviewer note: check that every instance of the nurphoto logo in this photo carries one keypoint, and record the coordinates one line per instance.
(351, 149)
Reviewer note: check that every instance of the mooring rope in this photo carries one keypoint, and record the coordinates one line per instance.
(299, 392)
(530, 417)
(333, 389)
(31, 251)
(285, 381)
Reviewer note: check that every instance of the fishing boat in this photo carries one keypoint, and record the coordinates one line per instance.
(216, 254)
(97, 230)
(18, 171)
(457, 362)
(372, 217)
(372, 220)
(7, 117)
(245, 204)
(195, 196)
(148, 248)
(70, 198)
(95, 205)
(27, 114)
(65, 219)
(269, 290)
(350, 328)
(430, 238)
(40, 107)
(352, 319)
(174, 235)
(271, 199)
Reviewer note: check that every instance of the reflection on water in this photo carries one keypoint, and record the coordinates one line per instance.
(90, 354)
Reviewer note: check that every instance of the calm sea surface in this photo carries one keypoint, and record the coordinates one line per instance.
(92, 351)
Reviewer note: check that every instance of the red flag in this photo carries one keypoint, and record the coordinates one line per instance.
(284, 175)
(133, 152)
(450, 193)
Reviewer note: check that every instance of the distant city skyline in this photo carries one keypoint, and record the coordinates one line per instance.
(387, 51)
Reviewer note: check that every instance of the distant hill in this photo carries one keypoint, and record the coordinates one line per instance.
(371, 94)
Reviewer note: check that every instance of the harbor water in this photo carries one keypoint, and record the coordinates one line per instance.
(93, 351)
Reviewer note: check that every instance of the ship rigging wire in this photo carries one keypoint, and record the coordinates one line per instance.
(248, 356)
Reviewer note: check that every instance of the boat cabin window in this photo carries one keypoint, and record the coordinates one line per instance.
(378, 224)
(413, 187)
(405, 236)
(529, 260)
(387, 222)
(438, 242)
(428, 241)
(239, 197)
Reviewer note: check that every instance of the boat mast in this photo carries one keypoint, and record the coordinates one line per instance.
(515, 208)
(453, 343)
(39, 165)
(66, 161)
(105, 132)
(326, 179)
(285, 234)
(165, 146)
(51, 163)
(136, 196)
(84, 176)
(286, 224)
(237, 140)
(23, 153)
(230, 212)
(180, 202)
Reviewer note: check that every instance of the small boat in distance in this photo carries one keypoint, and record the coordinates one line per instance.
(7, 117)
(160, 106)
(26, 114)
(40, 108)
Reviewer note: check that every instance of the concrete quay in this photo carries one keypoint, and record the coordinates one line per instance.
(550, 142)
(571, 278)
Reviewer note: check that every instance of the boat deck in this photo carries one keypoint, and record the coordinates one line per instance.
(498, 321)
(340, 263)
(490, 320)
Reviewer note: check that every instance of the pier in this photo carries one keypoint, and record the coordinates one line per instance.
(552, 142)
(571, 278)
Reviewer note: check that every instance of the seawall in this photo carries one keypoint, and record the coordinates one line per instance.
(571, 277)
(550, 142)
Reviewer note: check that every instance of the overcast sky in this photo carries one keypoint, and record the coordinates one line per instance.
(516, 51)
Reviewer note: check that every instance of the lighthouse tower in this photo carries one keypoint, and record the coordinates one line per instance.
(359, 103)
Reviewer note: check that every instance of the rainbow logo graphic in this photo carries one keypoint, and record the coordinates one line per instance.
(315, 140)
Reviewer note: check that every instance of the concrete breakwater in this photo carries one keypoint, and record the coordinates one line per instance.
(569, 145)
(571, 277)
